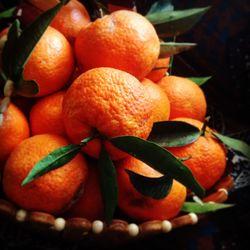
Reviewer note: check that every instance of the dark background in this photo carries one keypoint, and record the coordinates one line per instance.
(223, 51)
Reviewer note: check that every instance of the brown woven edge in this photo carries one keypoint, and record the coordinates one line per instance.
(118, 230)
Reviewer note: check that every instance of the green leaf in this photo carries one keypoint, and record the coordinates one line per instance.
(156, 188)
(108, 183)
(234, 144)
(7, 13)
(27, 88)
(174, 23)
(172, 48)
(173, 133)
(200, 80)
(54, 160)
(158, 158)
(161, 6)
(29, 38)
(194, 207)
(9, 48)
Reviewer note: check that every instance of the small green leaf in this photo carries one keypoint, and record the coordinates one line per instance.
(194, 207)
(234, 144)
(200, 80)
(159, 159)
(30, 37)
(27, 88)
(9, 47)
(174, 23)
(7, 13)
(172, 48)
(54, 160)
(108, 183)
(156, 188)
(161, 6)
(173, 133)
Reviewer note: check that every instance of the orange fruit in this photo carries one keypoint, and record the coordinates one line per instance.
(141, 207)
(208, 156)
(46, 115)
(51, 63)
(71, 19)
(160, 100)
(14, 129)
(123, 40)
(186, 97)
(160, 69)
(54, 191)
(90, 203)
(110, 101)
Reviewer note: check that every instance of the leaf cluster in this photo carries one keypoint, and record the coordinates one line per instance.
(168, 23)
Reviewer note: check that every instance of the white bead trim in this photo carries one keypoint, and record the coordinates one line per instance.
(223, 190)
(59, 224)
(97, 226)
(197, 200)
(193, 217)
(166, 226)
(211, 202)
(133, 229)
(21, 215)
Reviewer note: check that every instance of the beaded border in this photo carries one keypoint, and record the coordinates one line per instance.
(81, 228)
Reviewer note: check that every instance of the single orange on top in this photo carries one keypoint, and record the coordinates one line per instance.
(160, 100)
(139, 206)
(186, 97)
(53, 192)
(51, 63)
(71, 19)
(123, 40)
(208, 156)
(90, 203)
(160, 69)
(46, 115)
(14, 129)
(109, 101)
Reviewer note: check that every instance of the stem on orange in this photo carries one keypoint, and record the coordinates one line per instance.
(203, 129)
(86, 140)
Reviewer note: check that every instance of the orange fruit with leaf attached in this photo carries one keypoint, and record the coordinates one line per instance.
(160, 69)
(123, 40)
(110, 102)
(208, 156)
(90, 203)
(46, 115)
(139, 206)
(71, 19)
(186, 97)
(51, 63)
(14, 129)
(160, 100)
(54, 191)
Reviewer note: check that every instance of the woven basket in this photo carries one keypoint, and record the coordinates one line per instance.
(96, 233)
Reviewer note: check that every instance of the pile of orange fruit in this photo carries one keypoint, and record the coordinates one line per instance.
(100, 76)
